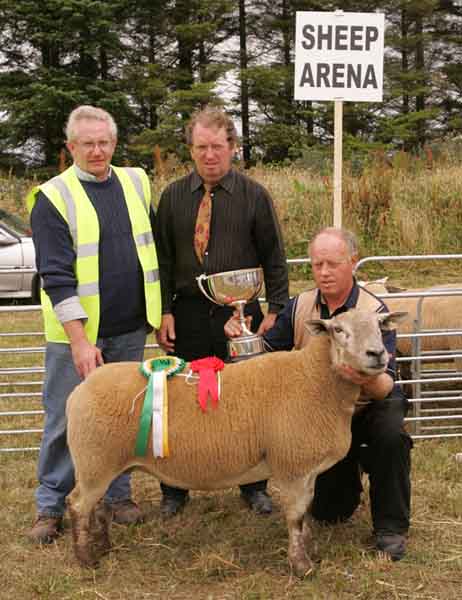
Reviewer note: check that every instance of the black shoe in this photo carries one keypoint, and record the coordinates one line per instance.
(172, 505)
(126, 512)
(258, 501)
(391, 544)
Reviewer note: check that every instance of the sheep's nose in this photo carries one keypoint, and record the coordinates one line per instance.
(377, 354)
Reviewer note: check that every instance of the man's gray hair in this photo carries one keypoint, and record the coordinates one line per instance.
(214, 118)
(344, 234)
(86, 111)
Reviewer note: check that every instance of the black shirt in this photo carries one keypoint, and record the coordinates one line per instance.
(244, 233)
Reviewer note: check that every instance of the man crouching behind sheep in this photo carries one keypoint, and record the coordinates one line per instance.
(380, 446)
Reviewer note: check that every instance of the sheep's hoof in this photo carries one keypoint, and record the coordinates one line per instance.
(86, 558)
(303, 567)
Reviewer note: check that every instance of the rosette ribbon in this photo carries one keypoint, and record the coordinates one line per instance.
(155, 405)
(207, 367)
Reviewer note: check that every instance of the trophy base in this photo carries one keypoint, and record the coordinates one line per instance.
(244, 347)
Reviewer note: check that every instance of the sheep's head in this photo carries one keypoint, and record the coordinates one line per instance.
(356, 338)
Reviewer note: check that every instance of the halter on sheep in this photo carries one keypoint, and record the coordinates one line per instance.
(285, 415)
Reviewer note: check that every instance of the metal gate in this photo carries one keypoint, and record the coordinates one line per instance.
(436, 397)
(435, 381)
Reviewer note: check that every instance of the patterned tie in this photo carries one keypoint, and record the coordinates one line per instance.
(202, 230)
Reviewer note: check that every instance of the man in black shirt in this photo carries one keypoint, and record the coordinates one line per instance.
(213, 220)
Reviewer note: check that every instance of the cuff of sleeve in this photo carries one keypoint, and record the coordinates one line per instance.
(267, 346)
(70, 309)
(274, 308)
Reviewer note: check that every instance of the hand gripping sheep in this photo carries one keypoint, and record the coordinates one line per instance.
(285, 415)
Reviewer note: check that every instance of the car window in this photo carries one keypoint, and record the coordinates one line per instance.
(14, 222)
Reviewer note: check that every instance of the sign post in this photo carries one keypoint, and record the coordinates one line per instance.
(338, 147)
(339, 57)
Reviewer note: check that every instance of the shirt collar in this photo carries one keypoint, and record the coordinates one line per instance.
(84, 176)
(350, 302)
(226, 182)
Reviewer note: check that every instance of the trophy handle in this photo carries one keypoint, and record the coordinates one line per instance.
(199, 280)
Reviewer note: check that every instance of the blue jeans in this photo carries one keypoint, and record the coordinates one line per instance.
(55, 468)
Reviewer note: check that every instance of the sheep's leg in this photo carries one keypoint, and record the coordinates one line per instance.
(455, 344)
(101, 538)
(296, 497)
(90, 526)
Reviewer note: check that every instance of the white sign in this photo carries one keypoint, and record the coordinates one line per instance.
(339, 56)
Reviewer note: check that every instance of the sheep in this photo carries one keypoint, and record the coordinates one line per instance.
(285, 415)
(436, 313)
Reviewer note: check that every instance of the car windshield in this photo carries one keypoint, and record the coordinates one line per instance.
(14, 222)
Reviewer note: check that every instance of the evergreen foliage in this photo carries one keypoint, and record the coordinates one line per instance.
(153, 63)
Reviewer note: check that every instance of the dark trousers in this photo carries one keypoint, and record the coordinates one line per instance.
(199, 329)
(380, 447)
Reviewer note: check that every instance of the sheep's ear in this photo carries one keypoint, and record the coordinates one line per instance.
(394, 289)
(317, 326)
(365, 284)
(391, 320)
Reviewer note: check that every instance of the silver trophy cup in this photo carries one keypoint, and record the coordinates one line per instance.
(236, 288)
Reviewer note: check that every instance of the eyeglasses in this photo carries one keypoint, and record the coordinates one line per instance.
(103, 145)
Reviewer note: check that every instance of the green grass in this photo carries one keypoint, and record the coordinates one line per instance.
(218, 550)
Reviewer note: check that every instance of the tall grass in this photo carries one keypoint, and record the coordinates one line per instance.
(404, 205)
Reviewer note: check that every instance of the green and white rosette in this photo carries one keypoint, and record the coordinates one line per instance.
(155, 405)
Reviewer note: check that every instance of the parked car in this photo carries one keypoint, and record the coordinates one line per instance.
(18, 274)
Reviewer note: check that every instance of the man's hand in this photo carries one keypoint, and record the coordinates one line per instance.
(166, 334)
(267, 323)
(233, 327)
(354, 376)
(376, 387)
(86, 356)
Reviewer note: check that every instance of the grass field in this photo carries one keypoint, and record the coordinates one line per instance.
(217, 550)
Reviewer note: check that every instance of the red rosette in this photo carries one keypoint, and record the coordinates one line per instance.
(207, 367)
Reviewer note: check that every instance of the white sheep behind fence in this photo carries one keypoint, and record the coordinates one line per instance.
(437, 313)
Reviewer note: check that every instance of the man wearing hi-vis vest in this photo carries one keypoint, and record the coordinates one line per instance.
(92, 227)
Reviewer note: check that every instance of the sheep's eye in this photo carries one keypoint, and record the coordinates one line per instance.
(338, 329)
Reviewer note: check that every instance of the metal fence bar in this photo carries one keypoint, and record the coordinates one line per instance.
(425, 419)
(16, 413)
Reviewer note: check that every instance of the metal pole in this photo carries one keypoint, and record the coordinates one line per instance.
(338, 142)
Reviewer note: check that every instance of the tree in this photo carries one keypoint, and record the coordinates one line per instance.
(53, 60)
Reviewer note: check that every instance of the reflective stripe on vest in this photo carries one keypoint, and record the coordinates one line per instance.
(82, 220)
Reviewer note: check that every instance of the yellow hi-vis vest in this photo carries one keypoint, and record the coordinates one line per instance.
(68, 196)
